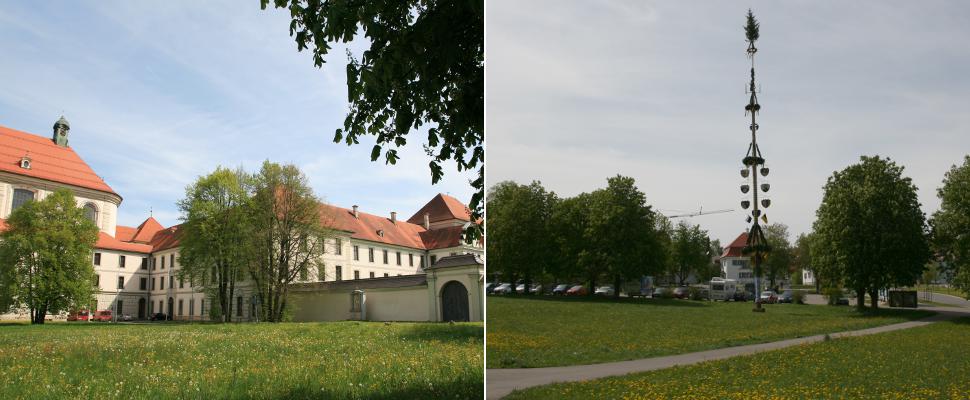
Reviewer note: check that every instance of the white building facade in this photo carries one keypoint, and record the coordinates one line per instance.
(137, 267)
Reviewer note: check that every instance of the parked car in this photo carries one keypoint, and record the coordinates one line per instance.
(504, 288)
(82, 315)
(536, 288)
(102, 316)
(488, 287)
(681, 292)
(125, 317)
(577, 290)
(785, 297)
(660, 292)
(520, 288)
(560, 289)
(606, 290)
(158, 316)
(769, 297)
(742, 295)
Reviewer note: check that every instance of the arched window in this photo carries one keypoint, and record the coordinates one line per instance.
(91, 212)
(21, 197)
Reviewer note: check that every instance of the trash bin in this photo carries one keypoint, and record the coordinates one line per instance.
(903, 298)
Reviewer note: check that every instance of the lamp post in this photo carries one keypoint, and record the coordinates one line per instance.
(754, 163)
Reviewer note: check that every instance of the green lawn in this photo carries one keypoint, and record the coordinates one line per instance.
(260, 361)
(554, 331)
(930, 362)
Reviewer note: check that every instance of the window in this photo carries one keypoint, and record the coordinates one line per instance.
(181, 283)
(97, 258)
(410, 260)
(239, 306)
(91, 212)
(180, 307)
(304, 274)
(421, 262)
(372, 274)
(97, 280)
(338, 273)
(163, 262)
(153, 283)
(191, 307)
(202, 308)
(434, 259)
(143, 284)
(399, 258)
(356, 253)
(386, 274)
(162, 286)
(742, 263)
(154, 263)
(121, 282)
(385, 256)
(171, 260)
(144, 263)
(171, 283)
(21, 197)
(121, 261)
(370, 254)
(121, 307)
(321, 273)
(356, 274)
(338, 247)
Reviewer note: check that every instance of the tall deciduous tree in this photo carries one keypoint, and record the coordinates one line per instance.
(45, 257)
(951, 224)
(425, 66)
(870, 231)
(216, 236)
(802, 257)
(520, 221)
(690, 252)
(569, 225)
(289, 236)
(778, 263)
(621, 232)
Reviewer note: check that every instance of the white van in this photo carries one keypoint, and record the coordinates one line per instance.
(723, 289)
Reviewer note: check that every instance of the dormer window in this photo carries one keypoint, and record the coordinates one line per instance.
(25, 162)
(380, 232)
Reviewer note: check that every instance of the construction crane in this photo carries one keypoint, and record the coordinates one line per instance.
(700, 211)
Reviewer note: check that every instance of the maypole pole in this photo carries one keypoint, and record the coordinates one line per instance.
(756, 246)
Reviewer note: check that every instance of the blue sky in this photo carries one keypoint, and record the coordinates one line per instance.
(578, 92)
(159, 93)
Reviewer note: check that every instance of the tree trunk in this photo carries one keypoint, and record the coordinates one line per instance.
(617, 281)
(874, 294)
(592, 287)
(860, 300)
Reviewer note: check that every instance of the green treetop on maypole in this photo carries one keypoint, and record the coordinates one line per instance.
(751, 29)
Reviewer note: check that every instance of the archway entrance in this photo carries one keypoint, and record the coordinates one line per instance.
(454, 302)
(171, 307)
(141, 308)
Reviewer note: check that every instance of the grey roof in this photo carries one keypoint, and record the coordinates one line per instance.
(62, 121)
(370, 283)
(460, 260)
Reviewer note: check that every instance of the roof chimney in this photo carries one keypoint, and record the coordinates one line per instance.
(427, 221)
(393, 217)
(356, 215)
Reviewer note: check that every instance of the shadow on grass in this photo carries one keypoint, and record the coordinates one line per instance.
(602, 299)
(444, 332)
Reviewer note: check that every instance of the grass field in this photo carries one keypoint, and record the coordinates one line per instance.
(236, 361)
(930, 362)
(554, 331)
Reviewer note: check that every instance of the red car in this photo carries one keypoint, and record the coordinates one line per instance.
(578, 290)
(81, 315)
(102, 316)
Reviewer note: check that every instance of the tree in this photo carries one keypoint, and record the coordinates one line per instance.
(45, 257)
(289, 236)
(520, 216)
(779, 262)
(620, 234)
(870, 231)
(802, 257)
(216, 236)
(951, 224)
(568, 229)
(425, 66)
(690, 252)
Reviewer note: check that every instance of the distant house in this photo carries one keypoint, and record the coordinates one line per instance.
(808, 278)
(735, 265)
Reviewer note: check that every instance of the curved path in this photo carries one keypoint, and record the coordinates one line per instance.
(501, 382)
(944, 299)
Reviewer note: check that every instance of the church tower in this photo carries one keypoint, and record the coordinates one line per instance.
(61, 129)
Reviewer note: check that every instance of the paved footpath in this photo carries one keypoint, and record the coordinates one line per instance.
(501, 382)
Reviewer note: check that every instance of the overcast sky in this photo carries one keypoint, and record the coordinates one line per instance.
(581, 91)
(158, 93)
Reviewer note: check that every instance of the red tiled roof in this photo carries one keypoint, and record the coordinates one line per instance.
(47, 160)
(442, 238)
(734, 249)
(366, 227)
(442, 207)
(105, 241)
(146, 231)
(166, 238)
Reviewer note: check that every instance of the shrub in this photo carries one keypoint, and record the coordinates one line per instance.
(832, 294)
(798, 296)
(666, 293)
(695, 293)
